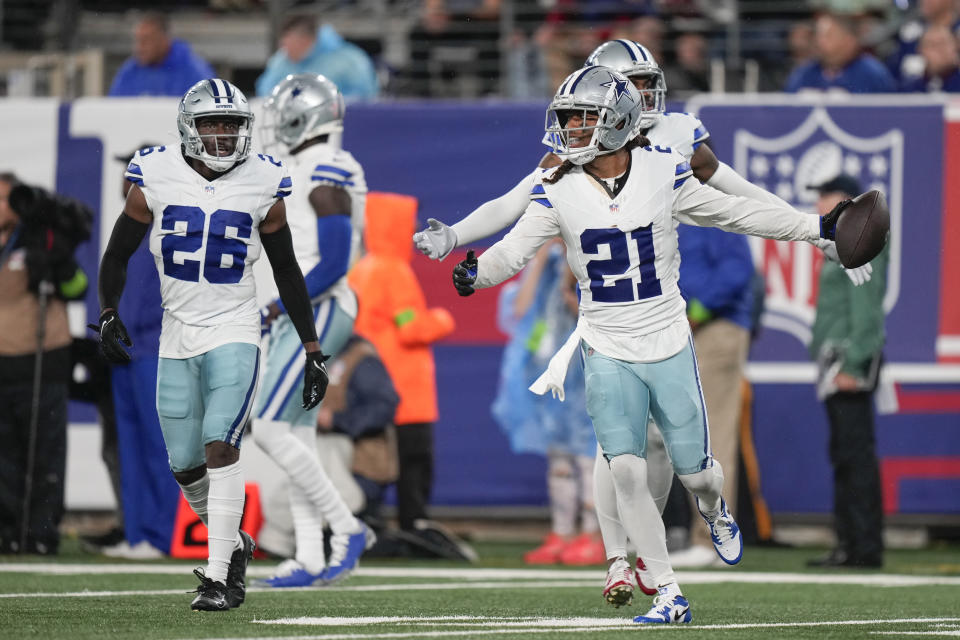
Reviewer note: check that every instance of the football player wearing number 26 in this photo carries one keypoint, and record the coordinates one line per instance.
(209, 207)
(616, 201)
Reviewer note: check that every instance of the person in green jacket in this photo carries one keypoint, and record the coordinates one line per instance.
(847, 343)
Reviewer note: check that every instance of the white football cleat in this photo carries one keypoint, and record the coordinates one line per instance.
(618, 590)
(725, 534)
(667, 609)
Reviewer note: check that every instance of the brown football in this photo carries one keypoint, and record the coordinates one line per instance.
(862, 229)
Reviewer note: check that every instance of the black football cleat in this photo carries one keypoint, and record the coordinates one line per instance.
(211, 595)
(237, 573)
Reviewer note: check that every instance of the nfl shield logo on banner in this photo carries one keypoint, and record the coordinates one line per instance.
(788, 166)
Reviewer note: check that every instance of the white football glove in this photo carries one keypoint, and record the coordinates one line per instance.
(436, 241)
(857, 276)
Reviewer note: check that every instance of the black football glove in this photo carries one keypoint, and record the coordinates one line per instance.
(112, 334)
(315, 379)
(828, 223)
(465, 274)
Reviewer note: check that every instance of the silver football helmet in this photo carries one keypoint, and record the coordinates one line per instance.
(598, 91)
(215, 98)
(301, 107)
(635, 60)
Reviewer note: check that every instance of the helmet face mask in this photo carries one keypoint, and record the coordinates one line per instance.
(634, 60)
(302, 107)
(215, 121)
(601, 104)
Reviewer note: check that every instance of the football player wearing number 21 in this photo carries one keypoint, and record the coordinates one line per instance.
(616, 201)
(209, 207)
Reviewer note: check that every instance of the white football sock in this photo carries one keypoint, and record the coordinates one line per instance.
(659, 469)
(608, 517)
(224, 512)
(588, 512)
(562, 488)
(304, 470)
(707, 486)
(195, 494)
(639, 515)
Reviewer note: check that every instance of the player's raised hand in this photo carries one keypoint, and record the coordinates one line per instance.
(315, 379)
(436, 241)
(112, 334)
(465, 275)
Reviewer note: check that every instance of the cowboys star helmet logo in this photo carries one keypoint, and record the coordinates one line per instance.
(619, 88)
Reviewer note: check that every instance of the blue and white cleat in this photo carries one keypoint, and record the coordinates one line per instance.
(667, 609)
(345, 552)
(725, 534)
(291, 573)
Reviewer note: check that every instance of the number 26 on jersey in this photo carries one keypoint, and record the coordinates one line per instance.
(224, 257)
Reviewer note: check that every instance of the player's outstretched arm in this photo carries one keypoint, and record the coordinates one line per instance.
(704, 206)
(725, 179)
(128, 232)
(438, 240)
(278, 243)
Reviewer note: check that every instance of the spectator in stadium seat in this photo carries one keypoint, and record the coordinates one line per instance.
(160, 65)
(941, 60)
(906, 63)
(690, 72)
(841, 64)
(306, 49)
(847, 343)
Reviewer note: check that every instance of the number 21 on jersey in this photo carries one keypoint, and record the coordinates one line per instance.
(619, 263)
(219, 245)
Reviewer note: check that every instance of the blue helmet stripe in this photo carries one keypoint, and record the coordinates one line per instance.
(629, 49)
(643, 52)
(579, 78)
(214, 88)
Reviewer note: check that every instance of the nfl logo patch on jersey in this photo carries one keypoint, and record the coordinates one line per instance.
(209, 190)
(614, 207)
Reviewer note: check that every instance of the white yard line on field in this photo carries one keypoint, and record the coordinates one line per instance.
(470, 574)
(575, 625)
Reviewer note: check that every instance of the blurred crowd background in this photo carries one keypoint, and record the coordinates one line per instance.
(468, 49)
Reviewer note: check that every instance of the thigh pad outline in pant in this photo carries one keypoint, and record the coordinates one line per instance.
(280, 395)
(677, 406)
(180, 409)
(618, 404)
(228, 380)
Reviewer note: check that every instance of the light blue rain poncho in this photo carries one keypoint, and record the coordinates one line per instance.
(534, 423)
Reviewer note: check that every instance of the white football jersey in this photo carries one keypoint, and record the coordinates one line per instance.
(205, 238)
(623, 247)
(325, 164)
(681, 132)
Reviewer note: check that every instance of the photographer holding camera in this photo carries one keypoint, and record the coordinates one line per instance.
(38, 235)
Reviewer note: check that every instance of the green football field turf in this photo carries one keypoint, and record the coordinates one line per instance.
(770, 594)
